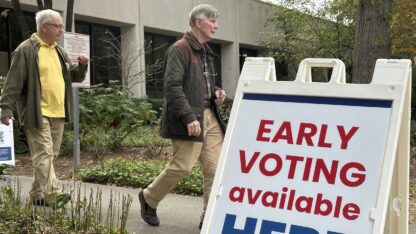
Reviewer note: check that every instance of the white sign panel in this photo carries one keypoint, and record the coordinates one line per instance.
(302, 165)
(76, 44)
(7, 144)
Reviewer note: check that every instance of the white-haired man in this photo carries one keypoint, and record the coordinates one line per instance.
(38, 88)
(190, 113)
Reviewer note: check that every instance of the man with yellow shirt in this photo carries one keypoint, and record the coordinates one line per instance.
(38, 88)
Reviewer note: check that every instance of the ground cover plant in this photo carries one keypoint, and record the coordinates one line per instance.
(139, 174)
(82, 215)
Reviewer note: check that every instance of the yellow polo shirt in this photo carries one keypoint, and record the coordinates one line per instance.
(51, 80)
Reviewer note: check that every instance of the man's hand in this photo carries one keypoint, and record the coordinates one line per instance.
(6, 120)
(83, 59)
(220, 97)
(194, 129)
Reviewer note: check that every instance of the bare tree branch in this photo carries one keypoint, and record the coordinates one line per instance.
(129, 60)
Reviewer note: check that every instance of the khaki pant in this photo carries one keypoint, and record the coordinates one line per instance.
(44, 144)
(185, 156)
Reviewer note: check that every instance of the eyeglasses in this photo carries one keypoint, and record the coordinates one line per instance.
(57, 26)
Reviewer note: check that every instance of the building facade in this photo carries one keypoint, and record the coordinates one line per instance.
(138, 32)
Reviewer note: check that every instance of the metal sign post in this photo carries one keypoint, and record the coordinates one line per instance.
(76, 129)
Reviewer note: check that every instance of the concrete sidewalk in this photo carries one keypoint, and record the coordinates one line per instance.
(178, 214)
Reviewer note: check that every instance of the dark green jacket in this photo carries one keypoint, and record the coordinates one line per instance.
(22, 88)
(184, 88)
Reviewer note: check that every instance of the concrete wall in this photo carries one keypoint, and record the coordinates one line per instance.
(240, 22)
(165, 15)
(252, 18)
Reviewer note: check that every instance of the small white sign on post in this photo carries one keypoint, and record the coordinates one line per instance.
(301, 157)
(7, 144)
(76, 44)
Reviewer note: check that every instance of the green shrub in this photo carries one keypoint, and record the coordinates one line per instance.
(3, 169)
(67, 145)
(19, 137)
(122, 172)
(225, 109)
(157, 105)
(192, 183)
(108, 115)
(145, 136)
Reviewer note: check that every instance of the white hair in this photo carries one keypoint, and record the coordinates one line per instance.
(45, 16)
(202, 11)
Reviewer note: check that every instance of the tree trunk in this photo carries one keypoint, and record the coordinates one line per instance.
(48, 4)
(69, 15)
(372, 38)
(24, 28)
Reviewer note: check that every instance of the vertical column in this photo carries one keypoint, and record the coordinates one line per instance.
(132, 53)
(230, 57)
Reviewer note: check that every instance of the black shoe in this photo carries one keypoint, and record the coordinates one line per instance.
(148, 213)
(200, 225)
(61, 200)
(40, 202)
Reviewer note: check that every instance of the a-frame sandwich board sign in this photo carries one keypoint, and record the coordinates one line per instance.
(303, 157)
(7, 144)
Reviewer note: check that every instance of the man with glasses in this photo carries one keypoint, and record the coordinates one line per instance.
(190, 114)
(38, 88)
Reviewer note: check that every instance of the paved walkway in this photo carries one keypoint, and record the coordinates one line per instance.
(178, 214)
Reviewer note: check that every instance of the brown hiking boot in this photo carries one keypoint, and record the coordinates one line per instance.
(148, 213)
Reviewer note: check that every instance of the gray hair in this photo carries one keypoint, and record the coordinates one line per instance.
(202, 11)
(45, 16)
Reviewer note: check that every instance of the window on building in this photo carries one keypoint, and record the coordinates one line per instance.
(156, 47)
(105, 66)
(11, 36)
(244, 53)
(4, 45)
